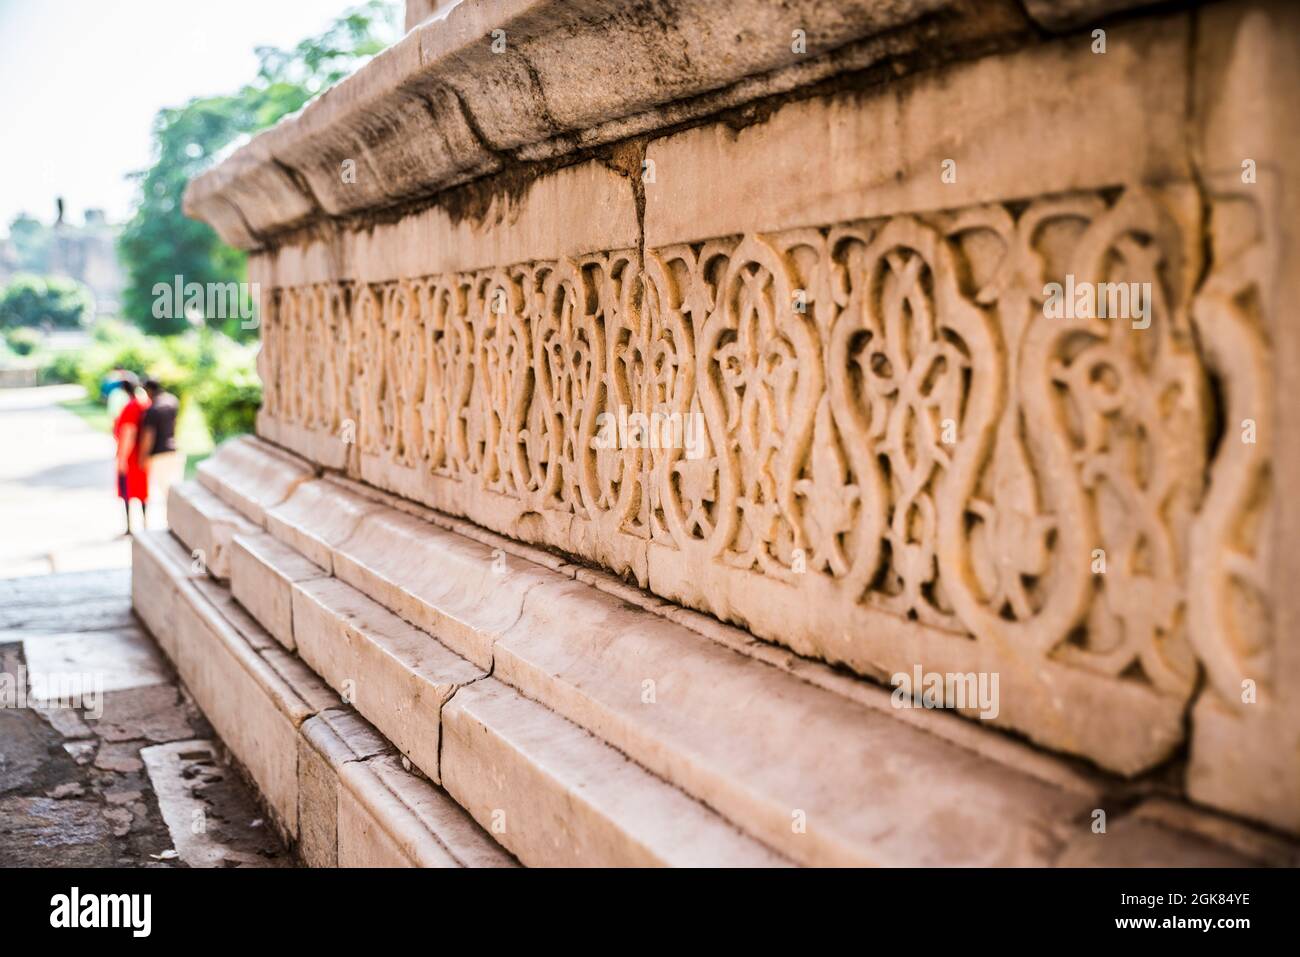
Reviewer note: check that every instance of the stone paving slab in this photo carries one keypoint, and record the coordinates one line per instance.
(73, 587)
(116, 660)
(97, 614)
(74, 789)
(185, 775)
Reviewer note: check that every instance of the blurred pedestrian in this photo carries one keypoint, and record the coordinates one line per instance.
(116, 391)
(132, 479)
(163, 461)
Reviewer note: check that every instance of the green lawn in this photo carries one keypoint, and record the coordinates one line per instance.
(90, 412)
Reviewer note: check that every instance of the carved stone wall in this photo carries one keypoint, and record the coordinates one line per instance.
(828, 509)
(905, 457)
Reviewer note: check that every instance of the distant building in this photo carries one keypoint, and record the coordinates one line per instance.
(88, 253)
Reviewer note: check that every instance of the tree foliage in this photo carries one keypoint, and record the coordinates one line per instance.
(45, 301)
(159, 242)
(31, 241)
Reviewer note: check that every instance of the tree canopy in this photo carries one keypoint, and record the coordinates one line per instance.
(31, 241)
(159, 242)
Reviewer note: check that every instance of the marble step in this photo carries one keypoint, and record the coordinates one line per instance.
(159, 565)
(205, 524)
(333, 785)
(263, 571)
(555, 795)
(815, 776)
(359, 807)
(550, 792)
(250, 475)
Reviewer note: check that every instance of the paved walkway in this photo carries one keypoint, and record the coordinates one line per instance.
(104, 761)
(58, 508)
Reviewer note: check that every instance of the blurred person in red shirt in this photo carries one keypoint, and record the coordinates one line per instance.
(132, 476)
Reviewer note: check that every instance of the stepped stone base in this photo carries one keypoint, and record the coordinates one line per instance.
(293, 735)
(408, 689)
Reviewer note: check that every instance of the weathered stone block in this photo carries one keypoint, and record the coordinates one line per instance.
(263, 571)
(326, 742)
(389, 818)
(252, 476)
(363, 842)
(236, 615)
(455, 589)
(316, 519)
(771, 752)
(250, 707)
(158, 563)
(206, 525)
(556, 796)
(391, 672)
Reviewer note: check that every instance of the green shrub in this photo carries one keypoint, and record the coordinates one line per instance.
(61, 367)
(23, 341)
(117, 346)
(203, 367)
(44, 301)
(228, 389)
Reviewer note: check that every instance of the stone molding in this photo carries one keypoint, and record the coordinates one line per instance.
(440, 107)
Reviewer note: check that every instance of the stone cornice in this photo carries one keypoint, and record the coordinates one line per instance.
(440, 108)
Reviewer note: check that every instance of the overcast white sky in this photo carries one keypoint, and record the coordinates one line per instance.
(81, 80)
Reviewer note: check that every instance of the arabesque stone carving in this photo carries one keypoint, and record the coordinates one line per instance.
(905, 457)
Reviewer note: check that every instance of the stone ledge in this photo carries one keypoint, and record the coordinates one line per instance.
(363, 810)
(254, 710)
(329, 779)
(327, 742)
(263, 572)
(316, 518)
(395, 675)
(1011, 125)
(576, 647)
(622, 815)
(756, 743)
(205, 525)
(158, 563)
(612, 812)
(561, 797)
(251, 476)
(390, 818)
(998, 748)
(473, 111)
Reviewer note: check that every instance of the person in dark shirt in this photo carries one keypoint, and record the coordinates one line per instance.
(165, 463)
